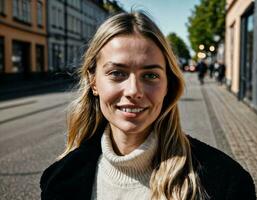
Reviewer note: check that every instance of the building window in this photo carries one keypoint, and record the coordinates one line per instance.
(60, 19)
(22, 10)
(20, 57)
(2, 7)
(15, 8)
(1, 55)
(57, 57)
(39, 13)
(40, 58)
(54, 16)
(246, 66)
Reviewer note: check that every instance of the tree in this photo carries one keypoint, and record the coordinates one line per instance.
(206, 25)
(179, 46)
(113, 6)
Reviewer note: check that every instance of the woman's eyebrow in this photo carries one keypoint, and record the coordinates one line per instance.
(153, 66)
(114, 64)
(122, 65)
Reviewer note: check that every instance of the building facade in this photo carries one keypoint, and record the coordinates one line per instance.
(23, 43)
(239, 50)
(254, 77)
(71, 24)
(56, 34)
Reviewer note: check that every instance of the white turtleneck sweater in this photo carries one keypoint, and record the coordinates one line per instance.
(124, 177)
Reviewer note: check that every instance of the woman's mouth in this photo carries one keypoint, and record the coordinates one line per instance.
(131, 110)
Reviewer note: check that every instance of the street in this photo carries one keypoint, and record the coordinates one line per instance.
(32, 132)
(32, 135)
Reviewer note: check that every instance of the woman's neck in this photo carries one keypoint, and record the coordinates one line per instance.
(125, 143)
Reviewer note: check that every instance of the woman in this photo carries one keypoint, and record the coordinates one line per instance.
(124, 134)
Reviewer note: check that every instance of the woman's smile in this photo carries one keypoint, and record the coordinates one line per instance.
(131, 111)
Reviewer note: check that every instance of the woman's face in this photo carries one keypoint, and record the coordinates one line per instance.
(131, 83)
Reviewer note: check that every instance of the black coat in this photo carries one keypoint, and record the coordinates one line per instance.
(72, 177)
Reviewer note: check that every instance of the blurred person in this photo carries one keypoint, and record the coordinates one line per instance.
(211, 69)
(216, 70)
(202, 69)
(221, 73)
(124, 137)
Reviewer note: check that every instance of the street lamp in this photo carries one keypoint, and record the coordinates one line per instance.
(201, 47)
(201, 55)
(212, 48)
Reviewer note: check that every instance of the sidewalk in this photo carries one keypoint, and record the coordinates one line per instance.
(234, 125)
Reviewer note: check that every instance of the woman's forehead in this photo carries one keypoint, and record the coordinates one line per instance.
(132, 49)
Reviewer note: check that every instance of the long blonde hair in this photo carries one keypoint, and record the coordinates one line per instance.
(173, 176)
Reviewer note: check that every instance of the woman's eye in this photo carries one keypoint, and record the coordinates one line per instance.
(117, 74)
(151, 76)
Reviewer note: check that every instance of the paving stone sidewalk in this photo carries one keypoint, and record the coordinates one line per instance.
(234, 125)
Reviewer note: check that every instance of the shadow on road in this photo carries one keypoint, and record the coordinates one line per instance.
(24, 89)
(190, 99)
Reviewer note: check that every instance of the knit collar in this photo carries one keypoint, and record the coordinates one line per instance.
(135, 166)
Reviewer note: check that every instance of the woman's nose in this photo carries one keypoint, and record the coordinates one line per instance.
(133, 88)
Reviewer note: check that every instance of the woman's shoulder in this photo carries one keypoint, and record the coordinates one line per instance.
(219, 172)
(70, 172)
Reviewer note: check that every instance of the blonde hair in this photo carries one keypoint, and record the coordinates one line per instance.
(173, 176)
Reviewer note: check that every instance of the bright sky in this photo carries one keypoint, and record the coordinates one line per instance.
(170, 15)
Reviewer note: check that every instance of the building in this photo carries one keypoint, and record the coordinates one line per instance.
(93, 15)
(23, 43)
(241, 67)
(39, 36)
(71, 24)
(254, 101)
(56, 34)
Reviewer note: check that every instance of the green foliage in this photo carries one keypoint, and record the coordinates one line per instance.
(178, 46)
(206, 22)
(112, 6)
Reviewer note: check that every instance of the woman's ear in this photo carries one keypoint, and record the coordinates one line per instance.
(94, 89)
(92, 83)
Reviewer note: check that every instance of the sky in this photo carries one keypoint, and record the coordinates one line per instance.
(170, 15)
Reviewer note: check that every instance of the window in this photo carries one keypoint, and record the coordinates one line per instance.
(40, 58)
(26, 11)
(246, 61)
(15, 8)
(57, 57)
(73, 24)
(60, 19)
(1, 55)
(53, 16)
(71, 53)
(20, 57)
(2, 7)
(39, 13)
(22, 10)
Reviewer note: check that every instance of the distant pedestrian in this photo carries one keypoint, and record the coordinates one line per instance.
(124, 138)
(221, 73)
(216, 70)
(211, 69)
(202, 69)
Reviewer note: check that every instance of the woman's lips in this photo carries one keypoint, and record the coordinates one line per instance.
(131, 111)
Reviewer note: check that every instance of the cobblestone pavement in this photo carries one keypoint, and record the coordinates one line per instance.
(234, 124)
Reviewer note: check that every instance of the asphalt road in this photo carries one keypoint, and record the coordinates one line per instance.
(32, 133)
